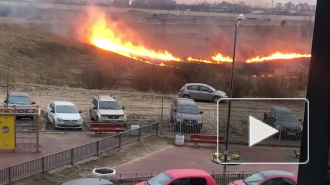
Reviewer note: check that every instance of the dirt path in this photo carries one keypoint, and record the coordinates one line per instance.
(127, 153)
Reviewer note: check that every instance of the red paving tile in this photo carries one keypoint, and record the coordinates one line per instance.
(50, 143)
(190, 157)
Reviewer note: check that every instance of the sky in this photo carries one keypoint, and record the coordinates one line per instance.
(252, 2)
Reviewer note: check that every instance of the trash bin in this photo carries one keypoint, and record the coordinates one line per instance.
(179, 139)
(104, 173)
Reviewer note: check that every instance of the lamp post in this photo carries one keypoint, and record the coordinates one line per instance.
(239, 19)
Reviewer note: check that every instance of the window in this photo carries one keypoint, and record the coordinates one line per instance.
(94, 102)
(21, 100)
(160, 179)
(254, 179)
(188, 109)
(203, 88)
(286, 116)
(52, 108)
(66, 109)
(287, 181)
(192, 87)
(189, 181)
(275, 181)
(109, 105)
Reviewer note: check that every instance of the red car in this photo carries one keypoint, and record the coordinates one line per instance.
(181, 177)
(270, 177)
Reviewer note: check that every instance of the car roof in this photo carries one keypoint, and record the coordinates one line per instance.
(18, 94)
(87, 181)
(185, 101)
(63, 103)
(271, 173)
(196, 84)
(178, 173)
(106, 98)
(281, 109)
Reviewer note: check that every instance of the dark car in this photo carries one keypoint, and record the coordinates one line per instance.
(284, 120)
(86, 181)
(185, 115)
(23, 103)
(268, 177)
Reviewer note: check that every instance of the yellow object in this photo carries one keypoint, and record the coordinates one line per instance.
(7, 132)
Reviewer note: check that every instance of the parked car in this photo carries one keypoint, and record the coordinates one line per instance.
(184, 114)
(283, 119)
(20, 99)
(106, 108)
(86, 181)
(64, 115)
(201, 92)
(268, 177)
(181, 177)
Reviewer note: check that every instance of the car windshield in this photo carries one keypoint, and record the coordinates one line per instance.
(21, 100)
(254, 179)
(70, 109)
(160, 179)
(188, 109)
(286, 116)
(109, 105)
(212, 89)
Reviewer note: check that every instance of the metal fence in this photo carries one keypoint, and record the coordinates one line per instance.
(70, 156)
(220, 179)
(289, 125)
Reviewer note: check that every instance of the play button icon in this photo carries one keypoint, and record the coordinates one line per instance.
(259, 131)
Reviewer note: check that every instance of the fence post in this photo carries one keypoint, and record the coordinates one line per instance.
(139, 134)
(9, 175)
(97, 148)
(157, 127)
(72, 156)
(119, 146)
(43, 164)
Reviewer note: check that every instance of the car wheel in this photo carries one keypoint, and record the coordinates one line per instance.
(215, 99)
(186, 96)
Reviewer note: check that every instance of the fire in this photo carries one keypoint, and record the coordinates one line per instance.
(106, 34)
(263, 76)
(220, 58)
(277, 56)
(191, 59)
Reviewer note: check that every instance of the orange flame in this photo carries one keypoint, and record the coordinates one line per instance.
(220, 58)
(104, 33)
(277, 56)
(191, 59)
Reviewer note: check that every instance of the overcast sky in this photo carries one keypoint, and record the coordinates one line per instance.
(252, 2)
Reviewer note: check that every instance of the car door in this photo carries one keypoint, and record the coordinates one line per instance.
(204, 93)
(193, 91)
(51, 112)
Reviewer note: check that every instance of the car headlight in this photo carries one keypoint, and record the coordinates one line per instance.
(104, 117)
(178, 120)
(199, 121)
(122, 117)
(79, 121)
(59, 120)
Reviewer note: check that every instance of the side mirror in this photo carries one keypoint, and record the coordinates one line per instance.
(33, 103)
(5, 101)
(201, 112)
(174, 110)
(123, 107)
(52, 111)
(80, 111)
(94, 108)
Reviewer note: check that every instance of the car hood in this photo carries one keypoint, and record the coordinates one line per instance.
(189, 116)
(66, 116)
(18, 105)
(221, 93)
(290, 124)
(237, 182)
(111, 112)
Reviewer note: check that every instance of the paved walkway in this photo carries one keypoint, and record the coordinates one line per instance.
(190, 157)
(50, 143)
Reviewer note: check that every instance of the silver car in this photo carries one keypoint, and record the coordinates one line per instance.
(201, 92)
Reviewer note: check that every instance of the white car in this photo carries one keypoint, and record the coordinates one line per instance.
(106, 108)
(64, 115)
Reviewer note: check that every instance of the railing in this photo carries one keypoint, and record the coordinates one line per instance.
(220, 179)
(70, 156)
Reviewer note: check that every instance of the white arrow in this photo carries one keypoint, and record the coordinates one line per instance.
(259, 131)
